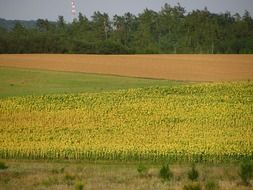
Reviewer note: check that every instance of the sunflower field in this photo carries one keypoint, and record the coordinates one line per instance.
(203, 122)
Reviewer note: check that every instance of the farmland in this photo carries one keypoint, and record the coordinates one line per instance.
(22, 82)
(171, 67)
(211, 122)
(67, 120)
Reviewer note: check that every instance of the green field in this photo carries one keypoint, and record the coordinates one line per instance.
(20, 82)
(203, 122)
(97, 130)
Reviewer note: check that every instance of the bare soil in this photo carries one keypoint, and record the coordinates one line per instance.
(172, 67)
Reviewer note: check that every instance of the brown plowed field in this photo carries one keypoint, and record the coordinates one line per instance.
(173, 67)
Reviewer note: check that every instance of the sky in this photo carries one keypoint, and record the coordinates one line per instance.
(51, 9)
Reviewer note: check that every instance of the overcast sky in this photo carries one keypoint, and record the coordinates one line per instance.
(50, 9)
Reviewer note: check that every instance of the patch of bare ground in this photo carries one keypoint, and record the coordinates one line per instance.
(171, 67)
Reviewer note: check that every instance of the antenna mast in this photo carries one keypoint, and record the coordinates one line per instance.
(73, 8)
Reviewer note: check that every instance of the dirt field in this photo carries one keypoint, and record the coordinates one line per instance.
(173, 67)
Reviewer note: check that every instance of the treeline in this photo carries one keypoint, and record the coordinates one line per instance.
(170, 30)
(9, 24)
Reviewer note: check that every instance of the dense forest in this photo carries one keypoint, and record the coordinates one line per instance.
(170, 30)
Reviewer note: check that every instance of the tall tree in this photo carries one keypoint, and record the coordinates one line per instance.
(101, 25)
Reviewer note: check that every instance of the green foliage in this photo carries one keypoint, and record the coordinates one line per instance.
(79, 186)
(142, 169)
(211, 185)
(62, 170)
(69, 178)
(193, 174)
(3, 166)
(9, 24)
(111, 47)
(169, 30)
(51, 180)
(165, 172)
(192, 186)
(246, 172)
(55, 171)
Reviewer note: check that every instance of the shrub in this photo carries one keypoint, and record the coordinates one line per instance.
(142, 170)
(192, 186)
(246, 172)
(50, 181)
(193, 174)
(79, 186)
(211, 185)
(69, 178)
(55, 171)
(3, 166)
(62, 170)
(165, 172)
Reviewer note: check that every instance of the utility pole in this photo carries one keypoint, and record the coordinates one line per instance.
(106, 30)
(212, 47)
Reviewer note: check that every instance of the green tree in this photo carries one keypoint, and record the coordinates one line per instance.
(170, 30)
(101, 26)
